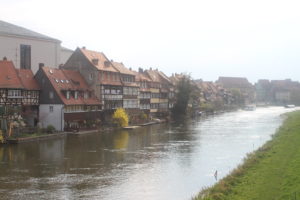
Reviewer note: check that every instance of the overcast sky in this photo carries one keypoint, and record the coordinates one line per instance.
(207, 38)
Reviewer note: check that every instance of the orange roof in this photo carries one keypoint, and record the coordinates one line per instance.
(164, 77)
(141, 77)
(122, 69)
(98, 60)
(153, 74)
(27, 79)
(8, 76)
(62, 80)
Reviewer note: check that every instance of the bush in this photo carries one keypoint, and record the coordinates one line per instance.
(50, 129)
(120, 117)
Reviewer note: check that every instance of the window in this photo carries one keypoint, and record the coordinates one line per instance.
(106, 91)
(68, 94)
(86, 95)
(113, 91)
(51, 109)
(51, 95)
(14, 93)
(76, 95)
(25, 56)
(91, 76)
(126, 90)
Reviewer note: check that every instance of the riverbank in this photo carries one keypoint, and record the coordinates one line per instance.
(271, 172)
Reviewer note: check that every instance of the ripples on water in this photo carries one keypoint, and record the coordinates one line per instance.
(158, 162)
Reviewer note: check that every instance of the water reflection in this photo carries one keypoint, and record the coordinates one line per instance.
(167, 161)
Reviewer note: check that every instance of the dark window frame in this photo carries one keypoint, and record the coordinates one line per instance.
(25, 56)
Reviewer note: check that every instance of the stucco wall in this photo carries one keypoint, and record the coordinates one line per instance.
(41, 51)
(54, 118)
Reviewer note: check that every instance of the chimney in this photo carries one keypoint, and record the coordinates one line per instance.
(83, 47)
(41, 65)
(151, 68)
(111, 60)
(4, 58)
(141, 70)
(130, 69)
(95, 61)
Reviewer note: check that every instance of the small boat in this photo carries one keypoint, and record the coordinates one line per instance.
(290, 106)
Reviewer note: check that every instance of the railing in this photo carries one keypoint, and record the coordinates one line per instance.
(113, 97)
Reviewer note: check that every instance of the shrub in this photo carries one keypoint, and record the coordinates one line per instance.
(120, 117)
(50, 129)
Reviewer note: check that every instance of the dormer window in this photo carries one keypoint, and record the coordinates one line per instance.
(76, 95)
(91, 76)
(68, 94)
(95, 61)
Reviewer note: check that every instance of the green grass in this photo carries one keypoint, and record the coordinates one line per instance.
(270, 173)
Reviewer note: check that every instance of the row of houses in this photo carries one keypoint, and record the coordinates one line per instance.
(85, 91)
(49, 84)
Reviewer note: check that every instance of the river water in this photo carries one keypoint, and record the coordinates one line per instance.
(166, 161)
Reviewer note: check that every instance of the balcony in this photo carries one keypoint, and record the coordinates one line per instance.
(113, 97)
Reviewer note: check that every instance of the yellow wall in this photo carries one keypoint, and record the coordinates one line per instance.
(154, 100)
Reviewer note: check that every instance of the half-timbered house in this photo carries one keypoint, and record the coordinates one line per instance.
(100, 74)
(19, 92)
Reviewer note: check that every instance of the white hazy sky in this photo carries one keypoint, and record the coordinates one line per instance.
(207, 38)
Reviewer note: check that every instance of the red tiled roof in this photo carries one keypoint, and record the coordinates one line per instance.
(164, 77)
(27, 79)
(63, 80)
(153, 74)
(234, 82)
(141, 77)
(122, 69)
(102, 62)
(8, 76)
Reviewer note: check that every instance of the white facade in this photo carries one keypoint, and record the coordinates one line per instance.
(42, 51)
(52, 114)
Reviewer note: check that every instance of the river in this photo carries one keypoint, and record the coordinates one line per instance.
(166, 161)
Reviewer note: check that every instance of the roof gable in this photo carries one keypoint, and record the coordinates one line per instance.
(98, 60)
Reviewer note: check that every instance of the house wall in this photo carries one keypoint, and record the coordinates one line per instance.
(54, 118)
(46, 88)
(42, 51)
(79, 62)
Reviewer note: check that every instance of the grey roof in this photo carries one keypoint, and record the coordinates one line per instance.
(13, 30)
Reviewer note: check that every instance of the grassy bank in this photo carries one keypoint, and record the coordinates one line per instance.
(270, 173)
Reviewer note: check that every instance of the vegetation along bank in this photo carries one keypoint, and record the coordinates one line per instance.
(271, 172)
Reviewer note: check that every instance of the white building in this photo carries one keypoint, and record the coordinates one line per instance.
(27, 48)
